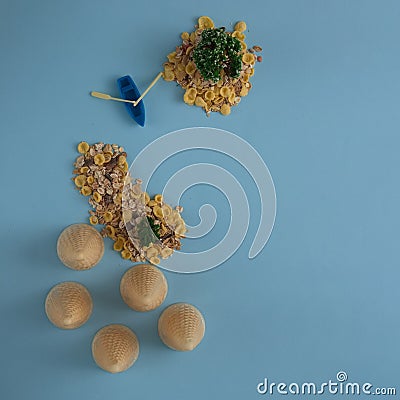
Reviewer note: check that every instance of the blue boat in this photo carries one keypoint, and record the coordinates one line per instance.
(129, 91)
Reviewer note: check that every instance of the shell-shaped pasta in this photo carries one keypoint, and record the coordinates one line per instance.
(181, 327)
(108, 216)
(93, 220)
(244, 91)
(248, 58)
(115, 348)
(97, 197)
(80, 180)
(251, 72)
(80, 246)
(155, 260)
(225, 109)
(157, 210)
(99, 159)
(185, 36)
(190, 68)
(68, 305)
(205, 23)
(225, 91)
(172, 56)
(192, 37)
(240, 26)
(188, 100)
(169, 75)
(144, 287)
(200, 102)
(83, 147)
(209, 95)
(126, 254)
(243, 44)
(158, 198)
(118, 245)
(192, 92)
(90, 179)
(245, 77)
(166, 252)
(84, 170)
(232, 97)
(86, 190)
(238, 35)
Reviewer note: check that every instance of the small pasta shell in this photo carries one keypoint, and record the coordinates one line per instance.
(244, 91)
(225, 109)
(108, 217)
(118, 245)
(209, 95)
(240, 26)
(169, 75)
(205, 23)
(157, 210)
(99, 159)
(93, 220)
(90, 179)
(158, 198)
(171, 56)
(83, 147)
(225, 91)
(248, 58)
(97, 197)
(86, 191)
(188, 100)
(185, 36)
(190, 68)
(200, 102)
(126, 254)
(80, 180)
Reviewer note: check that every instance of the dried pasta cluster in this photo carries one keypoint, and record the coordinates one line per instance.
(102, 174)
(214, 96)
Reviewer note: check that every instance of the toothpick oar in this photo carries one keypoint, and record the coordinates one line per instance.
(105, 96)
(135, 103)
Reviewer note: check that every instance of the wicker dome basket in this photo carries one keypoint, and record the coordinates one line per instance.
(115, 348)
(68, 305)
(80, 247)
(181, 327)
(143, 287)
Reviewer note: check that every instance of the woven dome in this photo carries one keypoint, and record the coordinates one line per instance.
(80, 247)
(115, 348)
(68, 305)
(181, 327)
(143, 287)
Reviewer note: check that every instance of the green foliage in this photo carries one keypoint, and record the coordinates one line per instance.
(217, 51)
(145, 235)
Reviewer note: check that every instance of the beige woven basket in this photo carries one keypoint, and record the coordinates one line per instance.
(68, 305)
(80, 247)
(115, 348)
(181, 327)
(143, 287)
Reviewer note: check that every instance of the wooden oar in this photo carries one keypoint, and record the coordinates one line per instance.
(135, 103)
(105, 96)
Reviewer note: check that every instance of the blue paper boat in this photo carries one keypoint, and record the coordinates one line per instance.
(129, 91)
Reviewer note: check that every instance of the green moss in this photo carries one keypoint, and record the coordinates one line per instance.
(218, 51)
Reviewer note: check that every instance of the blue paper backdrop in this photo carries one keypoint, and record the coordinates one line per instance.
(324, 115)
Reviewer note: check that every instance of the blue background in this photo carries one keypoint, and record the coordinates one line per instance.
(324, 114)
